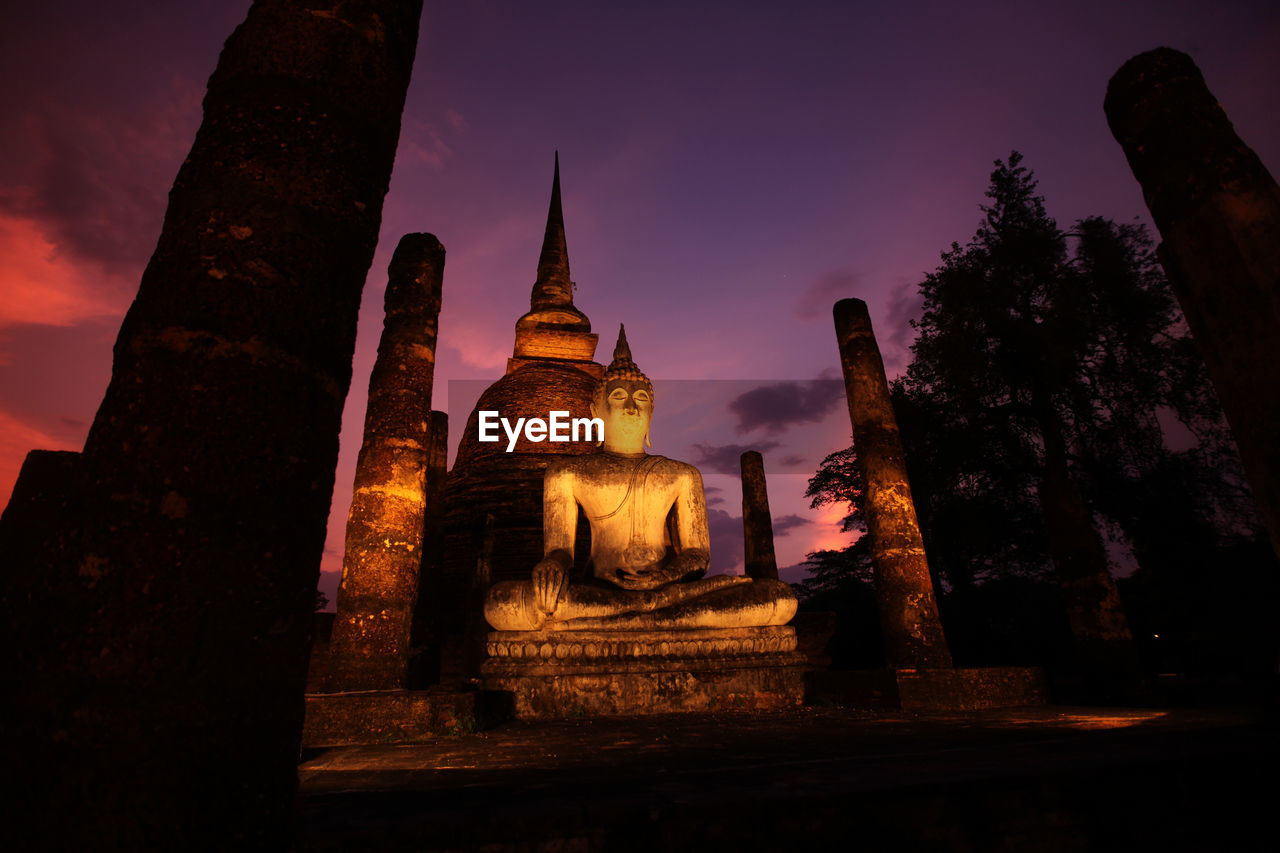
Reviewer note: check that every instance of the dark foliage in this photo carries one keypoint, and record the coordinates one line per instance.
(1030, 335)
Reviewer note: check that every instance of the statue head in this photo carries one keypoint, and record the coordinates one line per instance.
(624, 401)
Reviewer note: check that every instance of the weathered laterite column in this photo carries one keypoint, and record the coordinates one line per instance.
(757, 523)
(157, 640)
(425, 635)
(1218, 210)
(387, 522)
(909, 619)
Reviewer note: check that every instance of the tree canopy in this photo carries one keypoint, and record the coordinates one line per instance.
(1054, 398)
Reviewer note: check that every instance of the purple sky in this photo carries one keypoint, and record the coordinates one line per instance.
(729, 171)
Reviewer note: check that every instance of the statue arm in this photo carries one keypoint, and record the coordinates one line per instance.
(559, 528)
(693, 535)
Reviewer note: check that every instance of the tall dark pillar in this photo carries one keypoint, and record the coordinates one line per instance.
(157, 636)
(387, 524)
(1218, 210)
(427, 632)
(757, 522)
(909, 619)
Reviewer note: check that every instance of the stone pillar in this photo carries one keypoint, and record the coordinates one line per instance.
(757, 523)
(157, 643)
(426, 634)
(387, 523)
(1218, 210)
(477, 630)
(909, 620)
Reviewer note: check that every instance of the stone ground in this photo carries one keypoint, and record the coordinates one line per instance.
(1045, 778)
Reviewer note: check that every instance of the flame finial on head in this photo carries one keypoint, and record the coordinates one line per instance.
(623, 366)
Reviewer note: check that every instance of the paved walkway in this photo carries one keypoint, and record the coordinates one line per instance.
(1049, 778)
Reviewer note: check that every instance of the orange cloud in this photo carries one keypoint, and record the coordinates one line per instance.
(38, 284)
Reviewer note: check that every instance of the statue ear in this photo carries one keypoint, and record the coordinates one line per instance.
(647, 443)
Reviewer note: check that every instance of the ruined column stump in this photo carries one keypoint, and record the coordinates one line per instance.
(909, 619)
(757, 521)
(563, 674)
(427, 632)
(919, 673)
(1218, 210)
(161, 678)
(387, 523)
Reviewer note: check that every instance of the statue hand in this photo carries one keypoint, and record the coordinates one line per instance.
(686, 566)
(643, 578)
(549, 577)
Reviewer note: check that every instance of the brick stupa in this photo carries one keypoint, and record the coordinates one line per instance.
(551, 368)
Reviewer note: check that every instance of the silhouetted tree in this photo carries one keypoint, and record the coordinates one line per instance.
(1048, 369)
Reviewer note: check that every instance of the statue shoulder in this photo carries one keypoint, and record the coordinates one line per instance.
(679, 470)
(566, 467)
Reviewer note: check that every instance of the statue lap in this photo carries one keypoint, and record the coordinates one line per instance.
(715, 602)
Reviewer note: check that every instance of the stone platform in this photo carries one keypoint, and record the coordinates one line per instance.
(952, 689)
(566, 674)
(1046, 778)
(393, 716)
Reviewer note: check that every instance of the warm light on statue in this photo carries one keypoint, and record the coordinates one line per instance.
(650, 543)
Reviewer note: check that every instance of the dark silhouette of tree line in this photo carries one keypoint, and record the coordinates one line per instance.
(1059, 422)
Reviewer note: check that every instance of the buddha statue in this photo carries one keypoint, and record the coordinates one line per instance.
(650, 544)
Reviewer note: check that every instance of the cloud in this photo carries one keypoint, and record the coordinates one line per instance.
(793, 574)
(457, 121)
(787, 523)
(82, 197)
(830, 287)
(478, 346)
(424, 142)
(41, 285)
(713, 495)
(776, 407)
(727, 556)
(727, 458)
(906, 303)
(726, 542)
(94, 185)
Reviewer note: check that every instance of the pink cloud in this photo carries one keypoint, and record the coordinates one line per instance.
(41, 284)
(816, 299)
(94, 184)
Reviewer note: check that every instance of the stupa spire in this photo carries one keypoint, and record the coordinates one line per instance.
(554, 329)
(553, 287)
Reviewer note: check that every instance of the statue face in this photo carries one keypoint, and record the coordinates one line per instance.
(626, 407)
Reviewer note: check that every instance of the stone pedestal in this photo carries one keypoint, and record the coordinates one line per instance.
(556, 674)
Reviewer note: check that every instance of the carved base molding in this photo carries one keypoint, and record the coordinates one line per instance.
(557, 674)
